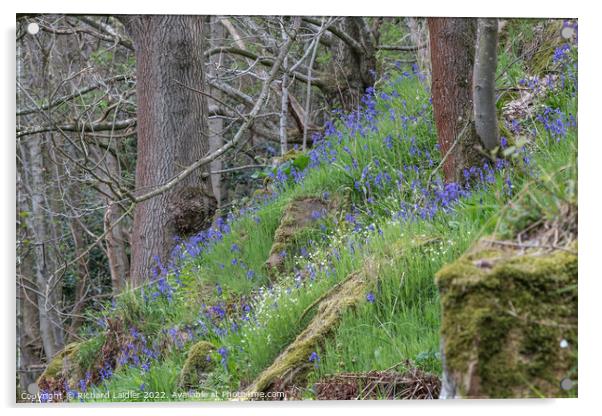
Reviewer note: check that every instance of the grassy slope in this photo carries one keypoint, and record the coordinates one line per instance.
(412, 228)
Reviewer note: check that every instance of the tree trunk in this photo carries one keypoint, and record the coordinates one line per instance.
(353, 67)
(216, 124)
(82, 271)
(452, 42)
(116, 238)
(49, 289)
(485, 114)
(172, 134)
(284, 102)
(419, 35)
(29, 348)
(35, 171)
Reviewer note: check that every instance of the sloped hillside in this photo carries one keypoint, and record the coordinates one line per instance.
(323, 286)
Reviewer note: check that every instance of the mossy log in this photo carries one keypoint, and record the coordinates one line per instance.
(509, 322)
(292, 363)
(197, 366)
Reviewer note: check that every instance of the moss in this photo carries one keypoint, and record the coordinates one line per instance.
(549, 39)
(63, 365)
(294, 360)
(505, 312)
(297, 217)
(290, 155)
(197, 365)
(534, 40)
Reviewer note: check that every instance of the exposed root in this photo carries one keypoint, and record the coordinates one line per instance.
(291, 364)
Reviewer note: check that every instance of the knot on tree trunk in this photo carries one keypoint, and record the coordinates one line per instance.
(192, 209)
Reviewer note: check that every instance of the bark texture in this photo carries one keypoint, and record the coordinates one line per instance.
(172, 134)
(354, 64)
(485, 115)
(452, 42)
(216, 123)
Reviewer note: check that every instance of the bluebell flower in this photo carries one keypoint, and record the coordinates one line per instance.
(223, 352)
(314, 357)
(218, 311)
(145, 367)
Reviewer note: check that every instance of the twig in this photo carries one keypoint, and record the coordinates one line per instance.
(428, 181)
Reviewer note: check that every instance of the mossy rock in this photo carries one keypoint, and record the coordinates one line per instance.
(297, 216)
(63, 366)
(291, 366)
(197, 366)
(509, 322)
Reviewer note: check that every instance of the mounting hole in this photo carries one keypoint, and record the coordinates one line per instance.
(33, 389)
(33, 28)
(567, 32)
(566, 384)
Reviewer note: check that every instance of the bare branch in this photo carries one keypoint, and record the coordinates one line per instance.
(352, 43)
(80, 127)
(243, 128)
(76, 94)
(406, 48)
